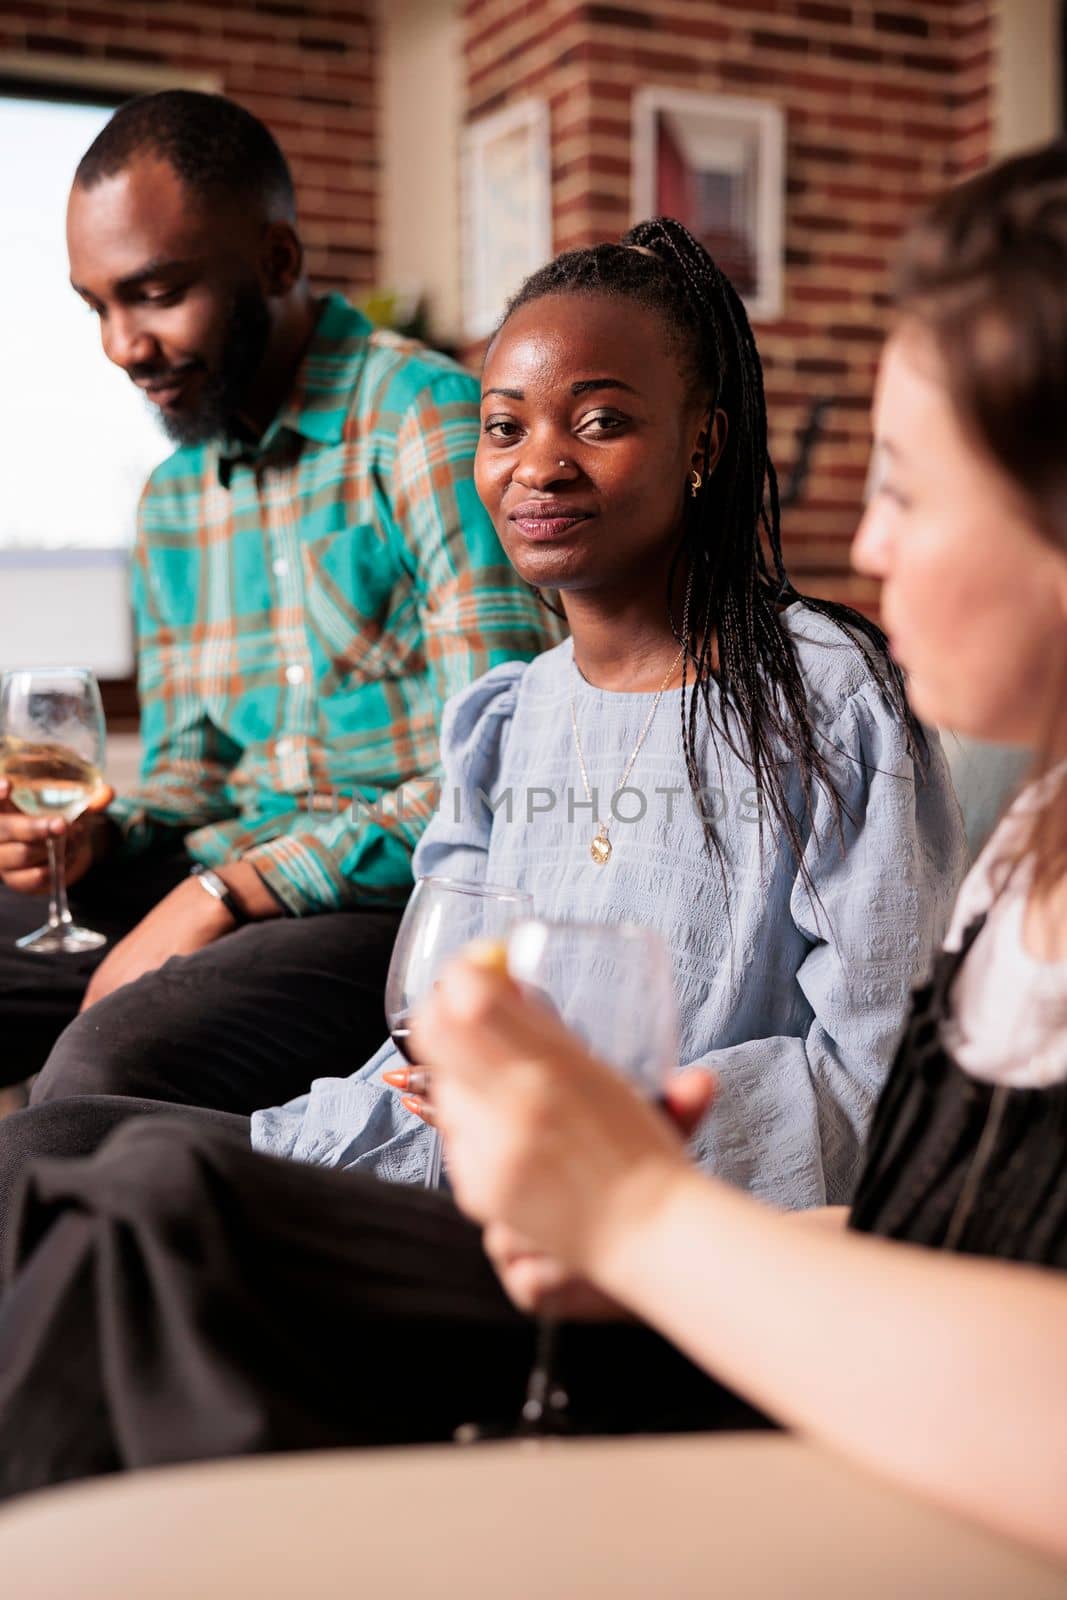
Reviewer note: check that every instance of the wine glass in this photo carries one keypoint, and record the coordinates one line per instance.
(442, 916)
(52, 754)
(611, 984)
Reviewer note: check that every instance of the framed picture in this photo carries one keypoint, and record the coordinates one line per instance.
(507, 208)
(717, 163)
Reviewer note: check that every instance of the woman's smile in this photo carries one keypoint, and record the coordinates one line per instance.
(544, 520)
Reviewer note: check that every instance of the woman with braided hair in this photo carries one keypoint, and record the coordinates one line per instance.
(724, 601)
(763, 796)
(708, 753)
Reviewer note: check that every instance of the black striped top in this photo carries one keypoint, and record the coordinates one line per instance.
(958, 1163)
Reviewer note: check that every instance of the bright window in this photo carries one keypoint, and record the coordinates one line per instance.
(76, 439)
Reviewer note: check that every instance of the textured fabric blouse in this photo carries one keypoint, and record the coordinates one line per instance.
(796, 1002)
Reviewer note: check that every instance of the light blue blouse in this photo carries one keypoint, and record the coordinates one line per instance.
(795, 1002)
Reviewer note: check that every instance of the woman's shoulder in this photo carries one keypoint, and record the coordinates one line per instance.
(862, 730)
(1003, 868)
(479, 715)
(549, 672)
(833, 661)
(476, 716)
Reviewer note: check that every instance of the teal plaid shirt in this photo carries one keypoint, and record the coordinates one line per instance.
(304, 609)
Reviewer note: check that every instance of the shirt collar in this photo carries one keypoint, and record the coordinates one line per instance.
(318, 403)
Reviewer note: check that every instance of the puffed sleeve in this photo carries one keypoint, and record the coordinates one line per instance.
(474, 734)
(792, 1113)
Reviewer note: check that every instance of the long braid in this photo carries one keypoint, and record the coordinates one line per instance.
(731, 627)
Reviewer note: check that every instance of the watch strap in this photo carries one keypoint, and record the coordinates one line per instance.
(213, 885)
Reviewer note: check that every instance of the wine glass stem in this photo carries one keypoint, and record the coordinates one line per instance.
(432, 1179)
(545, 1401)
(58, 910)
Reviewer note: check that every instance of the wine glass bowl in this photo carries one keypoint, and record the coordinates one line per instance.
(611, 985)
(52, 736)
(442, 916)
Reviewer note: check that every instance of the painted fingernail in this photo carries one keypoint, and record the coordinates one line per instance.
(398, 1077)
(409, 1102)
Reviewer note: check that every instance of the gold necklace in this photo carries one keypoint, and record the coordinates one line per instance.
(600, 849)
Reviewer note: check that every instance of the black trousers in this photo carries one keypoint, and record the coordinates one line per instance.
(176, 1297)
(246, 1022)
(39, 995)
(76, 1127)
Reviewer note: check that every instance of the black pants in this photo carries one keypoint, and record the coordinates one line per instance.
(246, 1022)
(77, 1127)
(39, 995)
(177, 1297)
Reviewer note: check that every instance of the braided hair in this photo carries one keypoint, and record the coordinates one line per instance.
(729, 557)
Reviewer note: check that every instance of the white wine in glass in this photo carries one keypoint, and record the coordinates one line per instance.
(51, 754)
(48, 780)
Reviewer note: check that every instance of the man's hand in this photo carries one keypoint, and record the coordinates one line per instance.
(24, 843)
(184, 921)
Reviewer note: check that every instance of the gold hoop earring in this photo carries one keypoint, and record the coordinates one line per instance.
(695, 483)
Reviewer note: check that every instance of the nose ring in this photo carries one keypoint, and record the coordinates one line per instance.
(563, 463)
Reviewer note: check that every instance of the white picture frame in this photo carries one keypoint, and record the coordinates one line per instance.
(507, 204)
(717, 163)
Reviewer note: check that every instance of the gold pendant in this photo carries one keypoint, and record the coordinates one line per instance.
(600, 849)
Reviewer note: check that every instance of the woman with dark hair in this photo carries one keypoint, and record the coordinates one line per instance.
(929, 1338)
(708, 753)
(794, 838)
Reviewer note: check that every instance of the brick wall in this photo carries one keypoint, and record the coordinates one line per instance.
(307, 68)
(885, 102)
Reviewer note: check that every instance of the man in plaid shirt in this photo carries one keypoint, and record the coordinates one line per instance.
(313, 577)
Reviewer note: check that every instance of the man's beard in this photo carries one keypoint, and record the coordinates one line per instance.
(225, 390)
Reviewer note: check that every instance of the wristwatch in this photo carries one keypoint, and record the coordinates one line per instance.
(213, 885)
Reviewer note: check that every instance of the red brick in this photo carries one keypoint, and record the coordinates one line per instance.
(820, 293)
(849, 262)
(862, 54)
(309, 68)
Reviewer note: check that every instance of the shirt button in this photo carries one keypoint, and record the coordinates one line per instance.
(294, 674)
(279, 567)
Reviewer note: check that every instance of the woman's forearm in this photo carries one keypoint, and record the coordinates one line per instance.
(946, 1372)
(943, 1371)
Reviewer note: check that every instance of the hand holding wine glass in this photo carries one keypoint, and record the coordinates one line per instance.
(542, 1134)
(442, 916)
(51, 755)
(541, 1129)
(539, 1282)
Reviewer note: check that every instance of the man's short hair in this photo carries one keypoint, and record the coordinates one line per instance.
(216, 148)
